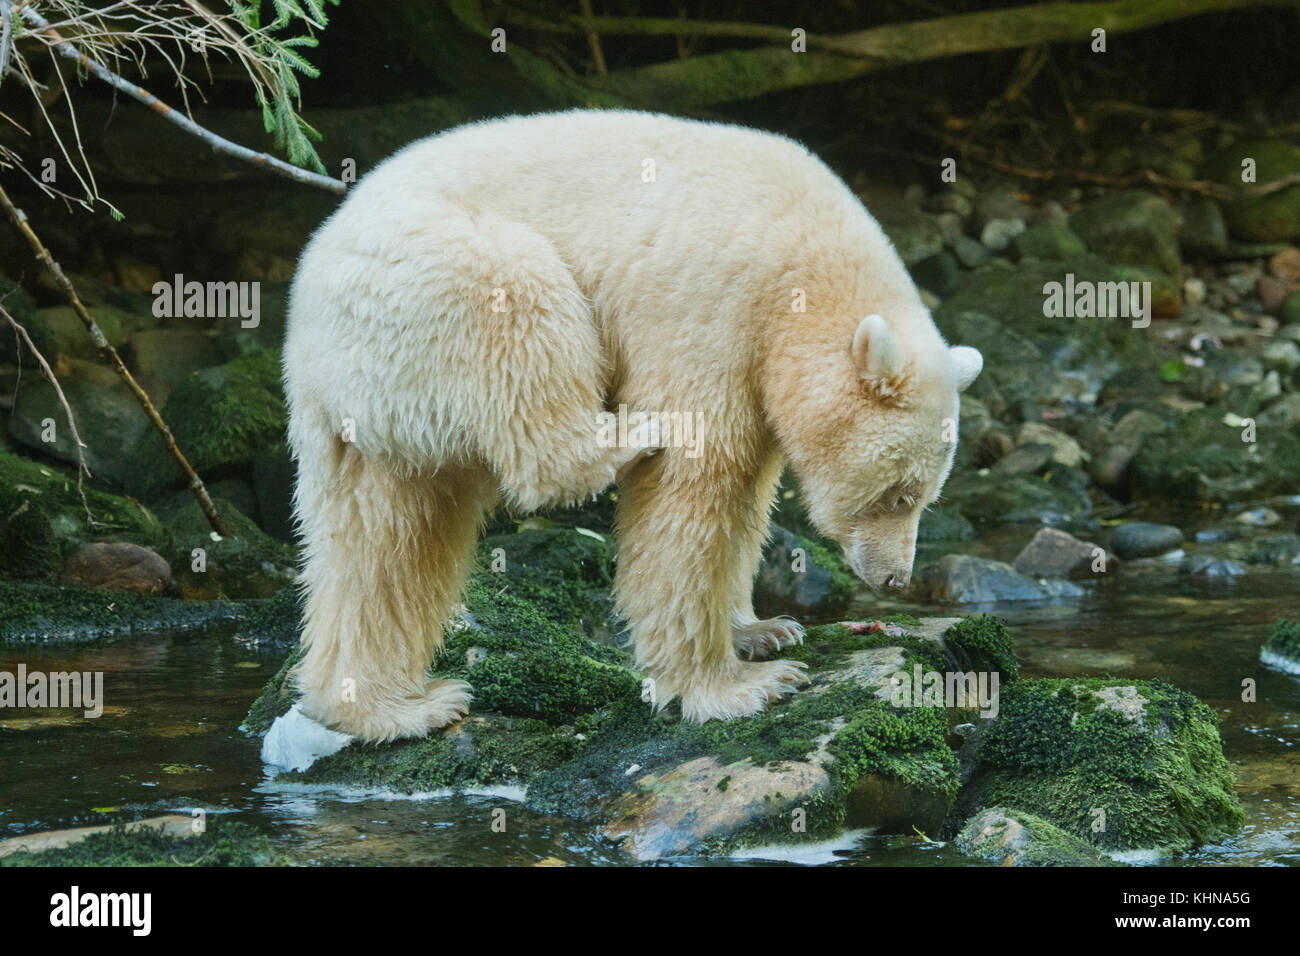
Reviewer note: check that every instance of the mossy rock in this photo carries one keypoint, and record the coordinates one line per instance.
(566, 572)
(222, 418)
(1048, 241)
(38, 613)
(944, 523)
(43, 520)
(803, 575)
(1123, 765)
(109, 421)
(522, 663)
(1282, 649)
(1011, 837)
(1008, 499)
(1132, 228)
(71, 340)
(222, 843)
(1271, 218)
(251, 564)
(565, 717)
(1000, 310)
(1202, 458)
(19, 304)
(274, 622)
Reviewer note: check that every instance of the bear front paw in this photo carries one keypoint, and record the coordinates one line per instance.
(762, 639)
(746, 689)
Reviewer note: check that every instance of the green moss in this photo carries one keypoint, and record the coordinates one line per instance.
(480, 752)
(251, 564)
(531, 678)
(1203, 459)
(33, 613)
(223, 416)
(223, 843)
(274, 622)
(276, 699)
(566, 573)
(1268, 218)
(43, 520)
(878, 739)
(983, 644)
(904, 620)
(844, 583)
(905, 742)
(1044, 843)
(1161, 781)
(826, 645)
(524, 664)
(1284, 639)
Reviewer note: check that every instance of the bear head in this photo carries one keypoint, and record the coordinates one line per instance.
(885, 443)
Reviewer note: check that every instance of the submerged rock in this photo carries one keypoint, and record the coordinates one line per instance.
(967, 579)
(1282, 649)
(158, 841)
(1015, 838)
(1142, 539)
(1208, 568)
(1056, 554)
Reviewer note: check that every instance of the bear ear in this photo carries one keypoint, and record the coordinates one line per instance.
(966, 363)
(876, 350)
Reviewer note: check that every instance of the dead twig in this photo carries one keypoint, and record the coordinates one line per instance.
(82, 469)
(593, 40)
(1141, 177)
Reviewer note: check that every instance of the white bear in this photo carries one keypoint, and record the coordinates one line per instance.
(459, 325)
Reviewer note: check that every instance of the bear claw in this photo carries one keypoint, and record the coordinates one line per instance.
(762, 639)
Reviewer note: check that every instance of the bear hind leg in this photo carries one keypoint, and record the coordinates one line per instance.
(387, 554)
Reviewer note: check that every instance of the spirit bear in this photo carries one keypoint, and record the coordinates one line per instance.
(463, 323)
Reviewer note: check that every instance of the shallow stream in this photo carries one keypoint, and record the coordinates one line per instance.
(169, 741)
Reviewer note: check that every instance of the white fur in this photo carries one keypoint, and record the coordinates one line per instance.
(667, 295)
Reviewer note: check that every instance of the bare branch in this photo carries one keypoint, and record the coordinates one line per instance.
(82, 469)
(221, 145)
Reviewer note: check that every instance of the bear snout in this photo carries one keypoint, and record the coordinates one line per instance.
(889, 580)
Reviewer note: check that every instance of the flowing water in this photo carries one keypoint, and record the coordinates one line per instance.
(169, 741)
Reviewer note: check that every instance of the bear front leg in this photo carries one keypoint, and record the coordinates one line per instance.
(678, 525)
(752, 638)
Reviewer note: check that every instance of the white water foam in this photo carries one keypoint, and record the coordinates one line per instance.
(295, 741)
